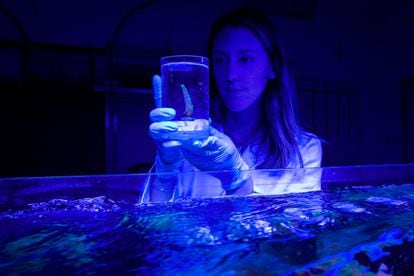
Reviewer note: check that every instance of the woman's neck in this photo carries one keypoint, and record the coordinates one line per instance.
(241, 127)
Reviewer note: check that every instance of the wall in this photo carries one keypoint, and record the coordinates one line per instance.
(368, 42)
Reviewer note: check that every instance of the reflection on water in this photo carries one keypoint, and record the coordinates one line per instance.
(365, 230)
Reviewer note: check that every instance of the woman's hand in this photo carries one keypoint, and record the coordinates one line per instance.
(168, 151)
(169, 156)
(217, 153)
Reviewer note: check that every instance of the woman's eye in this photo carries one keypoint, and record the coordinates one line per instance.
(245, 59)
(218, 60)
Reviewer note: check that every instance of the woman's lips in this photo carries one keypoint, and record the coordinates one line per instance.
(234, 90)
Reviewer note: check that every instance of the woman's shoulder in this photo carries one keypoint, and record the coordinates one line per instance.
(307, 139)
(310, 147)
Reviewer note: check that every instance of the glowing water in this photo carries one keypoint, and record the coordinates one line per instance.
(361, 230)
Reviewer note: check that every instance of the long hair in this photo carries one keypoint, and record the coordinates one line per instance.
(281, 132)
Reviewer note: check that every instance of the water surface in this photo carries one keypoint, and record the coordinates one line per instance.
(365, 230)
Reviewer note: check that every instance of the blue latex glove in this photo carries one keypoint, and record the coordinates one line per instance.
(217, 153)
(169, 156)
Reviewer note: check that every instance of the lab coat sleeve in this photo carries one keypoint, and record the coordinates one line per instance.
(297, 180)
(311, 153)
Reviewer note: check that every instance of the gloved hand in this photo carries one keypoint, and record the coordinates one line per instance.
(169, 156)
(217, 153)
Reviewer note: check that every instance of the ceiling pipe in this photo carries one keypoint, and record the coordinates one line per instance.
(25, 41)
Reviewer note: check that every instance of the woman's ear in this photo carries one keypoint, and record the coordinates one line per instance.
(273, 70)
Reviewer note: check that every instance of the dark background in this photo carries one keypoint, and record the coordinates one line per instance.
(75, 78)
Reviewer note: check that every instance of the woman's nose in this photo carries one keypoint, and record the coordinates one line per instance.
(231, 72)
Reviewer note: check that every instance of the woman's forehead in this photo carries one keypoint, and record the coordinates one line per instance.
(236, 39)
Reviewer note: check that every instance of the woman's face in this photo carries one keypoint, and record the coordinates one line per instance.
(241, 68)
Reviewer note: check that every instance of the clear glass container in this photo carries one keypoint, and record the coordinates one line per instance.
(185, 87)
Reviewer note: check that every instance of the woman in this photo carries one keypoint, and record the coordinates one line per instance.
(254, 118)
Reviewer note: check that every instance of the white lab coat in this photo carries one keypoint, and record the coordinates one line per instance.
(193, 183)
